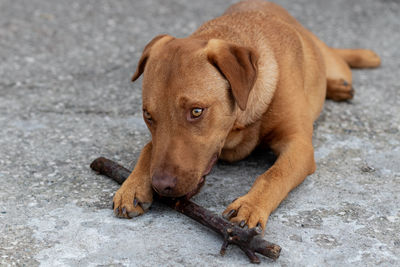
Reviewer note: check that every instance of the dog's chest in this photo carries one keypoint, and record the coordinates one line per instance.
(240, 143)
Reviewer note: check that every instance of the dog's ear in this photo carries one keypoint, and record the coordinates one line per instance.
(145, 55)
(237, 64)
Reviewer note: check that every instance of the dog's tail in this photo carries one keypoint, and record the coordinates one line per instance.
(359, 58)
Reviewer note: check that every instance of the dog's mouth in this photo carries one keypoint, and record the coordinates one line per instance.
(203, 178)
(197, 189)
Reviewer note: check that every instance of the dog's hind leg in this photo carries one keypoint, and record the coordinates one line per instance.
(338, 63)
(338, 73)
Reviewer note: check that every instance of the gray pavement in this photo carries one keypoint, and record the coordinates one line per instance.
(66, 98)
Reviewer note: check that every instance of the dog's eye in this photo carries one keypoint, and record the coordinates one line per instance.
(147, 115)
(196, 112)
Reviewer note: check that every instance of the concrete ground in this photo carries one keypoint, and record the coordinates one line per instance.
(66, 98)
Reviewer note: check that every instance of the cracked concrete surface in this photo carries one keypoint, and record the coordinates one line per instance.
(66, 98)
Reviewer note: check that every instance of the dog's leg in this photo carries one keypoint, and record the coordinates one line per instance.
(136, 194)
(295, 161)
(338, 63)
(338, 73)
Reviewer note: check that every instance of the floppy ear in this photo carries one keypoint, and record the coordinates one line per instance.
(145, 56)
(238, 65)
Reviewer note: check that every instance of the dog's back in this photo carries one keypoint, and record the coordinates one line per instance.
(268, 8)
(265, 25)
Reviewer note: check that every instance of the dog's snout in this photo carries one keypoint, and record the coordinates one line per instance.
(164, 183)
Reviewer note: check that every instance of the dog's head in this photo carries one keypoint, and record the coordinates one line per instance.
(192, 90)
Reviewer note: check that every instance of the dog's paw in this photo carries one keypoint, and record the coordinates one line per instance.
(245, 212)
(339, 90)
(132, 200)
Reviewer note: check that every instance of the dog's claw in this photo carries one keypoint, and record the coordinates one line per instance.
(352, 92)
(242, 223)
(255, 231)
(124, 211)
(258, 228)
(145, 206)
(230, 214)
(135, 202)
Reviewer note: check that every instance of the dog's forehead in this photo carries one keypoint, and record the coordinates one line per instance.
(177, 50)
(185, 44)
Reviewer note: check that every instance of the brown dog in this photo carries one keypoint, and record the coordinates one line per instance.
(253, 76)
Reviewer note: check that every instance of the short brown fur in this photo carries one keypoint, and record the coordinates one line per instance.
(260, 78)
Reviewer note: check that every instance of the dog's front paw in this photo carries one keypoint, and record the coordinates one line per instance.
(132, 199)
(246, 212)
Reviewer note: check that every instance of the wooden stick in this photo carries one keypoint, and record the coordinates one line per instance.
(248, 240)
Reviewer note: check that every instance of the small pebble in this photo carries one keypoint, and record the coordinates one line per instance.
(367, 168)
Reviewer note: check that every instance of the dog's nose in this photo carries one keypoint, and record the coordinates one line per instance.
(164, 183)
